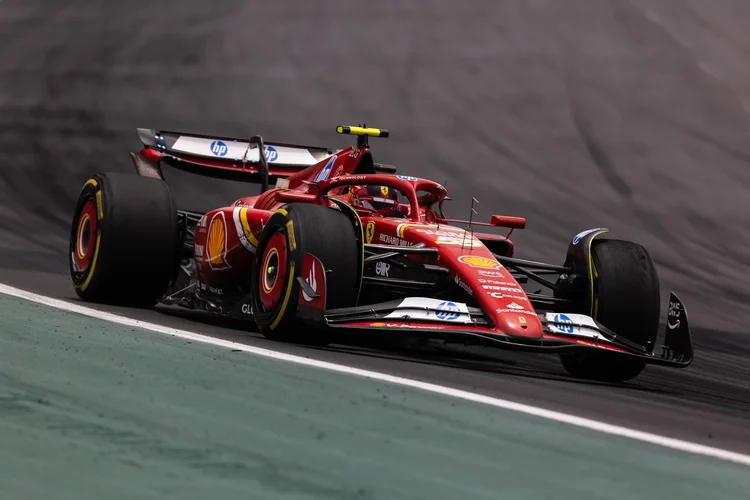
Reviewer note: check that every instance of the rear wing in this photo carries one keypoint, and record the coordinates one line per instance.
(223, 157)
(239, 159)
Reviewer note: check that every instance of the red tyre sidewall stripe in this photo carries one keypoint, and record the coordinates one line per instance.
(270, 292)
(87, 226)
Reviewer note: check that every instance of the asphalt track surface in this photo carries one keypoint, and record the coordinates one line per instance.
(631, 115)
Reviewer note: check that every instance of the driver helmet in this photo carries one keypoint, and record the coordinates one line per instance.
(373, 197)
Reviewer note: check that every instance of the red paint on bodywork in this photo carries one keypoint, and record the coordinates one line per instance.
(315, 276)
(220, 258)
(468, 260)
(508, 221)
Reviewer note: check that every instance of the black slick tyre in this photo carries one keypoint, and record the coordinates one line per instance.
(124, 240)
(292, 231)
(626, 300)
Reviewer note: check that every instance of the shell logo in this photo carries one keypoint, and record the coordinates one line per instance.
(217, 242)
(475, 261)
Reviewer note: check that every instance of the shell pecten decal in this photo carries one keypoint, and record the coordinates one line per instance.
(216, 247)
(476, 261)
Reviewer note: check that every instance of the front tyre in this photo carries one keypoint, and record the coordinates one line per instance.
(626, 300)
(124, 240)
(292, 231)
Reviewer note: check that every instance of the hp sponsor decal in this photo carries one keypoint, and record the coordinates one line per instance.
(219, 148)
(270, 153)
(407, 177)
(448, 311)
(323, 174)
(561, 318)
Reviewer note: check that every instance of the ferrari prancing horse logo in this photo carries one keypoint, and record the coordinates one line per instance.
(370, 231)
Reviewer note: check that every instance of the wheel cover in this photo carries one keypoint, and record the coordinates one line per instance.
(272, 273)
(85, 239)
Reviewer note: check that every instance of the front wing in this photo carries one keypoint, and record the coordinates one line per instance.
(561, 332)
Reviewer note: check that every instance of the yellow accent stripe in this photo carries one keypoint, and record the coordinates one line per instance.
(592, 269)
(289, 283)
(99, 206)
(374, 132)
(90, 182)
(93, 262)
(290, 235)
(281, 211)
(246, 228)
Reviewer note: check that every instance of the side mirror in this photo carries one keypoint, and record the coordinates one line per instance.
(508, 221)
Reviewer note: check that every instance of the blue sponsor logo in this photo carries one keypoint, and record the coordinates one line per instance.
(219, 148)
(566, 328)
(270, 153)
(448, 311)
(323, 174)
(407, 177)
(580, 235)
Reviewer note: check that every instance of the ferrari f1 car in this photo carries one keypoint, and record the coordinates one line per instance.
(343, 245)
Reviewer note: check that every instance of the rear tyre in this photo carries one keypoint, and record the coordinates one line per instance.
(123, 240)
(291, 232)
(626, 300)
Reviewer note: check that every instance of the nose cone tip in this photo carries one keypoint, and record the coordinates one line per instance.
(521, 324)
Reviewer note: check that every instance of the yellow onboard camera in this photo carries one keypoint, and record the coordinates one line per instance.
(362, 133)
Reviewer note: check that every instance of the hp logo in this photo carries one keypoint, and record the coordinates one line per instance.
(270, 153)
(448, 311)
(561, 318)
(218, 148)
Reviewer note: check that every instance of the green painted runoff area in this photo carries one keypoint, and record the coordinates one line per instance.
(95, 410)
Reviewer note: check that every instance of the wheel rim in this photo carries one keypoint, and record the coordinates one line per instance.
(85, 239)
(273, 271)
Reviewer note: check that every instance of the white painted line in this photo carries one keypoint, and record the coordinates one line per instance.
(586, 423)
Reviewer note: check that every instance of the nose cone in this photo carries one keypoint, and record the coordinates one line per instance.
(521, 321)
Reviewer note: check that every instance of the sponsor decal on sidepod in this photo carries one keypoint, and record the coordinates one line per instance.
(217, 243)
(382, 268)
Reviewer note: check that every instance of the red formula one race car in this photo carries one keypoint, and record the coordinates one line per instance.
(343, 245)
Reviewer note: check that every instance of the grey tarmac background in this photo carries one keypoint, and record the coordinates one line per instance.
(632, 115)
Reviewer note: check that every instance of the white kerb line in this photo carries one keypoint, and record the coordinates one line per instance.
(616, 430)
